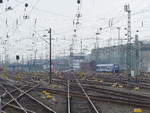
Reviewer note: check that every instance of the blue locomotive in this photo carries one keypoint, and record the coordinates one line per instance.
(107, 68)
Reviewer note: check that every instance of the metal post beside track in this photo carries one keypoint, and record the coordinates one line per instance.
(68, 99)
(50, 55)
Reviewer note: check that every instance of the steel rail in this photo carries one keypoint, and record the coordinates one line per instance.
(109, 91)
(106, 98)
(68, 98)
(115, 92)
(14, 99)
(21, 95)
(31, 97)
(90, 101)
(16, 107)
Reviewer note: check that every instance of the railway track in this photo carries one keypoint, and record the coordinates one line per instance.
(81, 105)
(124, 85)
(19, 100)
(12, 95)
(110, 95)
(77, 94)
(99, 87)
(111, 81)
(112, 92)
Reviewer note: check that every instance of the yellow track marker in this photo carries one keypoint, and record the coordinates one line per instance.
(136, 88)
(137, 110)
(49, 96)
(100, 81)
(114, 84)
(45, 93)
(120, 86)
(55, 86)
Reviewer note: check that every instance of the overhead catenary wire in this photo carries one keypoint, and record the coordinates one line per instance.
(34, 8)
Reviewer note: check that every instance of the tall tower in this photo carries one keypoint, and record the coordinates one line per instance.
(76, 23)
(129, 46)
(137, 56)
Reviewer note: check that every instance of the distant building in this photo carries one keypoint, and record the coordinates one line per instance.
(117, 55)
(75, 61)
(35, 65)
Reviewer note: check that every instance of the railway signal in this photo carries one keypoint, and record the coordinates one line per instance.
(25, 11)
(17, 57)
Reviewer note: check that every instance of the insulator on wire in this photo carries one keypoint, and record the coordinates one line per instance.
(78, 15)
(77, 23)
(97, 33)
(78, 2)
(9, 8)
(26, 5)
(75, 30)
(142, 24)
(26, 17)
(17, 22)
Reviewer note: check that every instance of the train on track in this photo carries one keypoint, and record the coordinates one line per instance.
(107, 68)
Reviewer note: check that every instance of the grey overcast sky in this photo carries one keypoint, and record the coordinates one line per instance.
(25, 36)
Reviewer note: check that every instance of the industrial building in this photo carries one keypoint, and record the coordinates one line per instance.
(140, 56)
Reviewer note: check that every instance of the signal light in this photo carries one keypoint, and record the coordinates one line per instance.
(17, 57)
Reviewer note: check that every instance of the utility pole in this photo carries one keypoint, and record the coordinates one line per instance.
(119, 46)
(71, 54)
(50, 55)
(97, 46)
(76, 23)
(35, 52)
(137, 59)
(129, 51)
(81, 47)
(118, 28)
(17, 58)
(97, 39)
